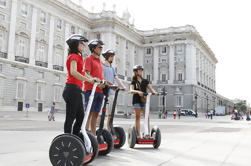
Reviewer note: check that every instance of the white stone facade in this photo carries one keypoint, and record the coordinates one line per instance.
(33, 54)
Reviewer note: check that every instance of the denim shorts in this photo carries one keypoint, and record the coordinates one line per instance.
(139, 105)
(97, 101)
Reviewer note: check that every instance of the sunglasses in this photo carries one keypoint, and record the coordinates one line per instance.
(100, 47)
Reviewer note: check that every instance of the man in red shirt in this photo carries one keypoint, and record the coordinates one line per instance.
(94, 67)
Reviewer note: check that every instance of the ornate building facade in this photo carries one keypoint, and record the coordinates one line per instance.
(33, 54)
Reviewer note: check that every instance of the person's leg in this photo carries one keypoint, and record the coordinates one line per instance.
(94, 116)
(96, 107)
(71, 107)
(79, 116)
(137, 120)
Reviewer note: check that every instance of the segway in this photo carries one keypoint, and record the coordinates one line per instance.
(153, 139)
(117, 132)
(71, 150)
(104, 137)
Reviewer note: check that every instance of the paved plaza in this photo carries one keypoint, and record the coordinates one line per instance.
(185, 142)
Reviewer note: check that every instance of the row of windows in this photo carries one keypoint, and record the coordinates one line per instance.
(21, 89)
(179, 49)
(164, 77)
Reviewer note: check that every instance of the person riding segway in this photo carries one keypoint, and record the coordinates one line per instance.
(141, 102)
(69, 148)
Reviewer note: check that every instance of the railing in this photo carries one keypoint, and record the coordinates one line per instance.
(121, 76)
(3, 55)
(21, 59)
(42, 64)
(178, 82)
(57, 67)
(162, 82)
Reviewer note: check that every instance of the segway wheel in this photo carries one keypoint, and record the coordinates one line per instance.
(94, 142)
(67, 149)
(108, 140)
(132, 137)
(155, 133)
(120, 133)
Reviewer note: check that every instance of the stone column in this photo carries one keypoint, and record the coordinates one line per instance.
(33, 36)
(155, 65)
(171, 64)
(11, 42)
(190, 76)
(67, 33)
(51, 40)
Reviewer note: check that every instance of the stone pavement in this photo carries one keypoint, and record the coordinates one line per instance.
(25, 141)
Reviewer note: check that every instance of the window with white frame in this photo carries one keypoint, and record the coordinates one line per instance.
(57, 94)
(20, 90)
(59, 24)
(58, 58)
(2, 17)
(179, 48)
(180, 77)
(42, 17)
(2, 47)
(179, 101)
(2, 2)
(24, 9)
(163, 77)
(42, 33)
(163, 50)
(39, 92)
(41, 53)
(98, 36)
(21, 47)
(148, 51)
(73, 30)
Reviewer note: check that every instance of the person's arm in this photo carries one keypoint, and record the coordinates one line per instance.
(119, 82)
(76, 74)
(151, 89)
(133, 91)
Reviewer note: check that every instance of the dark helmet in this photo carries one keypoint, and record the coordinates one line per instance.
(94, 43)
(108, 53)
(75, 37)
(137, 67)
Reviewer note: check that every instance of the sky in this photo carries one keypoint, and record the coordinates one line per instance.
(225, 25)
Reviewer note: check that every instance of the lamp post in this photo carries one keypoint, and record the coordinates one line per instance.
(207, 103)
(163, 99)
(196, 107)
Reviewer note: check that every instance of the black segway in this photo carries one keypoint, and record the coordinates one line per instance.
(104, 137)
(71, 150)
(154, 138)
(117, 132)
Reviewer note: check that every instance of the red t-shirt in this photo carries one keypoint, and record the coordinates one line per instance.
(70, 79)
(95, 67)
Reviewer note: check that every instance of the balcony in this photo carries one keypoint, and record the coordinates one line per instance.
(3, 55)
(21, 59)
(162, 82)
(178, 82)
(42, 64)
(121, 76)
(57, 67)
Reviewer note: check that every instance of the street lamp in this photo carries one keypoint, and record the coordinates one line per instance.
(163, 99)
(207, 103)
(196, 97)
